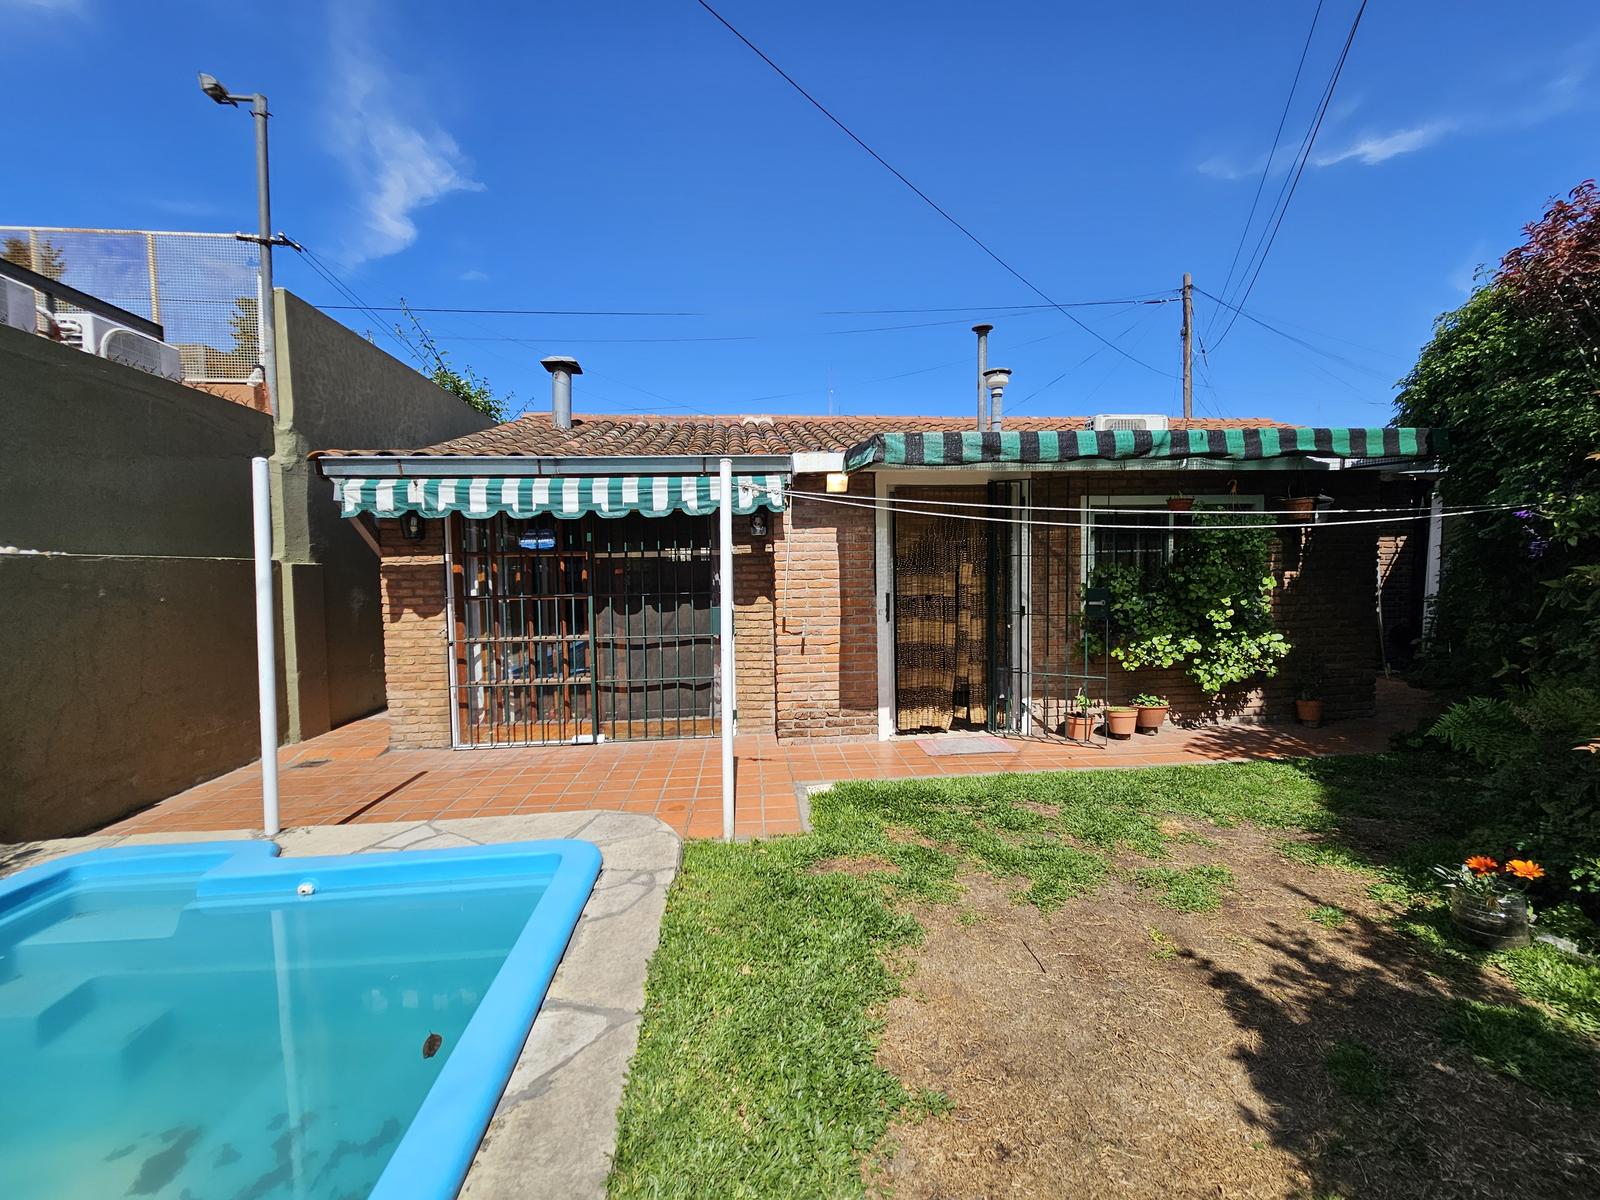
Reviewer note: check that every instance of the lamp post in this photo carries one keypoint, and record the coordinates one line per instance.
(266, 318)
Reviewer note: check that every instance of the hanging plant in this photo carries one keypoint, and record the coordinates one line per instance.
(1209, 610)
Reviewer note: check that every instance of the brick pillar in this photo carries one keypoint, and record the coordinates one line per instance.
(826, 616)
(752, 625)
(412, 581)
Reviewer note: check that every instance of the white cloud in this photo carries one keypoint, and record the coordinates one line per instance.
(1374, 148)
(398, 162)
(474, 276)
(1546, 95)
(65, 8)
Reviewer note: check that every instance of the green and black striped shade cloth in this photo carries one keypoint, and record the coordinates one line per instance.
(558, 496)
(1241, 445)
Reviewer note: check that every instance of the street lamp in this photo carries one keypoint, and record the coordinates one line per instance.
(995, 379)
(265, 316)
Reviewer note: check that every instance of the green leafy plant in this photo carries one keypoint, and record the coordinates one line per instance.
(1544, 788)
(1148, 700)
(473, 389)
(1209, 610)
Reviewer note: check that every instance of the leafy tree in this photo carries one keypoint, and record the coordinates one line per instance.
(464, 382)
(1514, 376)
(45, 259)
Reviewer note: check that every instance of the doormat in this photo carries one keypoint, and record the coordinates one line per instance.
(978, 743)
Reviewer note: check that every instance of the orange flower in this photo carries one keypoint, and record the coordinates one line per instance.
(1524, 868)
(1481, 864)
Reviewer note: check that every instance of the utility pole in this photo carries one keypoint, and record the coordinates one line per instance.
(1188, 345)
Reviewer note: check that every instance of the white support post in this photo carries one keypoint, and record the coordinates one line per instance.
(1432, 563)
(266, 644)
(729, 691)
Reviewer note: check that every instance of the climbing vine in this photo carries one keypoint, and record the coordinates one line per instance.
(1209, 610)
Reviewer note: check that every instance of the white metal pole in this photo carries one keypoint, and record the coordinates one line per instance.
(1432, 563)
(266, 644)
(729, 692)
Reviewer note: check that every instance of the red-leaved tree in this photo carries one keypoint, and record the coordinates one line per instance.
(1556, 271)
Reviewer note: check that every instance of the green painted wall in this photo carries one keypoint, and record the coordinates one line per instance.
(128, 635)
(125, 566)
(336, 390)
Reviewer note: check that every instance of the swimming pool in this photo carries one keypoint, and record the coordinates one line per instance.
(213, 1022)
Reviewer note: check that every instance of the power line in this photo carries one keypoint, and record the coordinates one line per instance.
(517, 312)
(1299, 341)
(491, 337)
(926, 199)
(1167, 297)
(394, 333)
(1277, 136)
(1293, 182)
(1082, 363)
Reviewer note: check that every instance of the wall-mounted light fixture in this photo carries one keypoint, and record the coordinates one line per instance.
(411, 526)
(838, 481)
(758, 524)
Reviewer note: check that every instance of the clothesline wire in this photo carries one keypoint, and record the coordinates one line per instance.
(902, 506)
(1199, 506)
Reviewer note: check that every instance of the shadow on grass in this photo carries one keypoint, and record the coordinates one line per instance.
(1384, 1078)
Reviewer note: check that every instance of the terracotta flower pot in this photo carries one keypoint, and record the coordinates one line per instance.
(1496, 920)
(1300, 508)
(1180, 503)
(1121, 721)
(1309, 712)
(1152, 718)
(1080, 726)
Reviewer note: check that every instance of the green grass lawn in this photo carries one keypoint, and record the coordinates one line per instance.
(755, 1073)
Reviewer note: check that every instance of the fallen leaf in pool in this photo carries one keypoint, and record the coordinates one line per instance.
(431, 1046)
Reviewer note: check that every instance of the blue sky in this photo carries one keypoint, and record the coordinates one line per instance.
(613, 156)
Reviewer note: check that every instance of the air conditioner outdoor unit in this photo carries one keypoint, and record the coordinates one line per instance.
(118, 343)
(1150, 422)
(18, 308)
(134, 349)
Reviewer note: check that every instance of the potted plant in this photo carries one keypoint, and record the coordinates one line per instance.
(1300, 508)
(1121, 720)
(1080, 717)
(1180, 503)
(1488, 903)
(1307, 701)
(1152, 711)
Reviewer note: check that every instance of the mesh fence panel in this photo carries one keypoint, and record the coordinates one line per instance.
(200, 287)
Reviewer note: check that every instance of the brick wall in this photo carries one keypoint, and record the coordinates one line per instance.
(825, 629)
(412, 584)
(753, 668)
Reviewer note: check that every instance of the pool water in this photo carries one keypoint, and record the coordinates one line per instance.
(222, 1025)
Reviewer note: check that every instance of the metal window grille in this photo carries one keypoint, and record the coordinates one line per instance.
(202, 288)
(577, 630)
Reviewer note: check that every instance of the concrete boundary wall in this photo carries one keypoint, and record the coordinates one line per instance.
(126, 584)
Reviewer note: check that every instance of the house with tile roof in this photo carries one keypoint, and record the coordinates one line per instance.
(558, 578)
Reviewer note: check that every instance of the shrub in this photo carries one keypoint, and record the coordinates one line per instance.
(1542, 787)
(1209, 610)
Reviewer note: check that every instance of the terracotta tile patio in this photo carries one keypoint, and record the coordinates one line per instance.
(351, 775)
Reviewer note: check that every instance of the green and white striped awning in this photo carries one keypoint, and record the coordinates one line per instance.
(558, 496)
(955, 449)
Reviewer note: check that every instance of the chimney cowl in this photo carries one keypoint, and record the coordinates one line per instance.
(561, 369)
